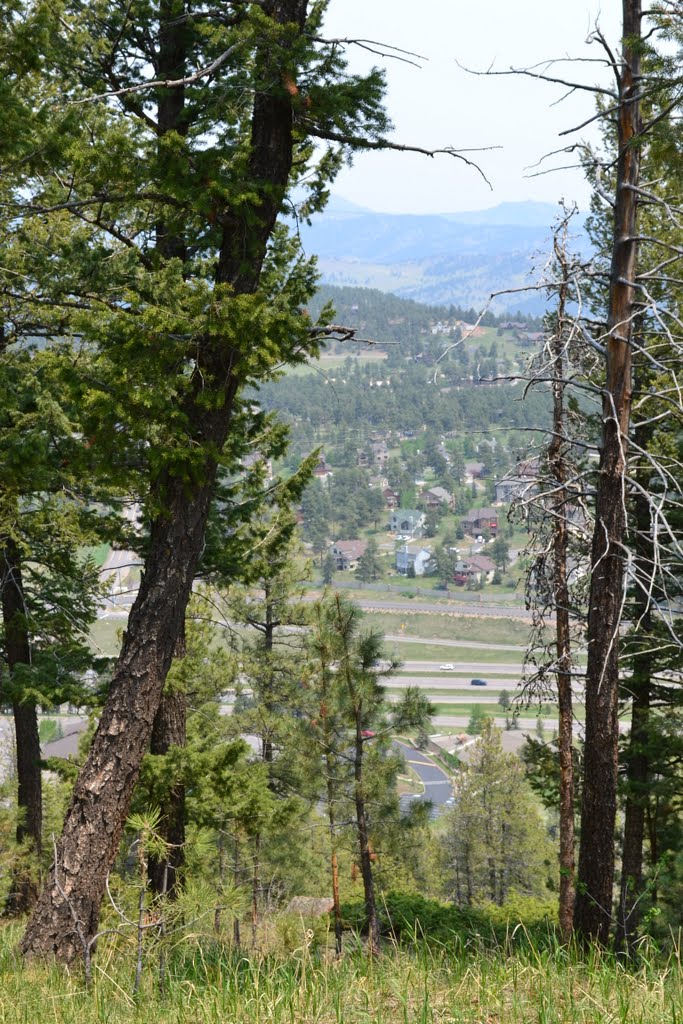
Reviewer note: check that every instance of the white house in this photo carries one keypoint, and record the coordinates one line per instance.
(416, 555)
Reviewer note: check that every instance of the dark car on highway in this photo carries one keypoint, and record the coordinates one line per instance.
(478, 682)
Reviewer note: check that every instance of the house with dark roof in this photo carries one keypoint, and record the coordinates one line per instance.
(391, 497)
(322, 471)
(522, 484)
(436, 497)
(481, 520)
(347, 552)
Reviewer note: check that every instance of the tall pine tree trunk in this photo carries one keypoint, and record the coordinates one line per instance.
(593, 908)
(637, 756)
(67, 913)
(330, 772)
(29, 783)
(637, 774)
(557, 460)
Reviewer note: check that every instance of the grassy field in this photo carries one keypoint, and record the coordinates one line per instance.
(466, 985)
(490, 708)
(442, 626)
(329, 363)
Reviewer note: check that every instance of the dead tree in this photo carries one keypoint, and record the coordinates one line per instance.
(593, 910)
(555, 509)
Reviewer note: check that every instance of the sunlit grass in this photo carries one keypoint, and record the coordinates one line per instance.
(467, 984)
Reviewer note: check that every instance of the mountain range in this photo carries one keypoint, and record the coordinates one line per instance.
(441, 259)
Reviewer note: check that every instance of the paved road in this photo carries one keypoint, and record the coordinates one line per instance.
(434, 683)
(450, 698)
(476, 668)
(437, 785)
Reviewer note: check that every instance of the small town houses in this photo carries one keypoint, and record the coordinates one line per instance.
(347, 552)
(413, 559)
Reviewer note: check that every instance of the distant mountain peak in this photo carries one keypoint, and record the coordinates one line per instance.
(337, 204)
(440, 259)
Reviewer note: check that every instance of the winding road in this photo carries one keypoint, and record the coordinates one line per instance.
(437, 785)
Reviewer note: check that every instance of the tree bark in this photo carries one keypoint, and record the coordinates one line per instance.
(29, 782)
(593, 908)
(67, 913)
(638, 773)
(560, 473)
(330, 771)
(169, 730)
(637, 758)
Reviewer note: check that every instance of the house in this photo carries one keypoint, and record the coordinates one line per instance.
(474, 568)
(481, 520)
(254, 459)
(374, 454)
(322, 471)
(409, 521)
(474, 471)
(512, 487)
(522, 484)
(436, 497)
(347, 552)
(414, 555)
(380, 453)
(391, 497)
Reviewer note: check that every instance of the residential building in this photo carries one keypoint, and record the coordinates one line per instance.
(408, 521)
(322, 471)
(481, 520)
(391, 497)
(416, 555)
(523, 484)
(477, 568)
(436, 497)
(347, 552)
(474, 471)
(254, 459)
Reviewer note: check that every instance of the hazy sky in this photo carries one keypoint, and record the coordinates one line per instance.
(440, 104)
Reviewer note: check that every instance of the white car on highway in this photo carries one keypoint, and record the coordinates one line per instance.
(448, 667)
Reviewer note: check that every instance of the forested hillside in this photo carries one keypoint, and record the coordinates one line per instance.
(426, 368)
(341, 658)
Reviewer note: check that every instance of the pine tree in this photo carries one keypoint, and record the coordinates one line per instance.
(495, 838)
(185, 231)
(369, 565)
(353, 726)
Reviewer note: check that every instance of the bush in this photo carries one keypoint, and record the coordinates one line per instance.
(295, 931)
(409, 917)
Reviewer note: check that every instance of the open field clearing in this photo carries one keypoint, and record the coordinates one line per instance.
(444, 626)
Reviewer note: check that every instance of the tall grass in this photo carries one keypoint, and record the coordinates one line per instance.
(424, 984)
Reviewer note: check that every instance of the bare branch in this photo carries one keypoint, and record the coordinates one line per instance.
(358, 142)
